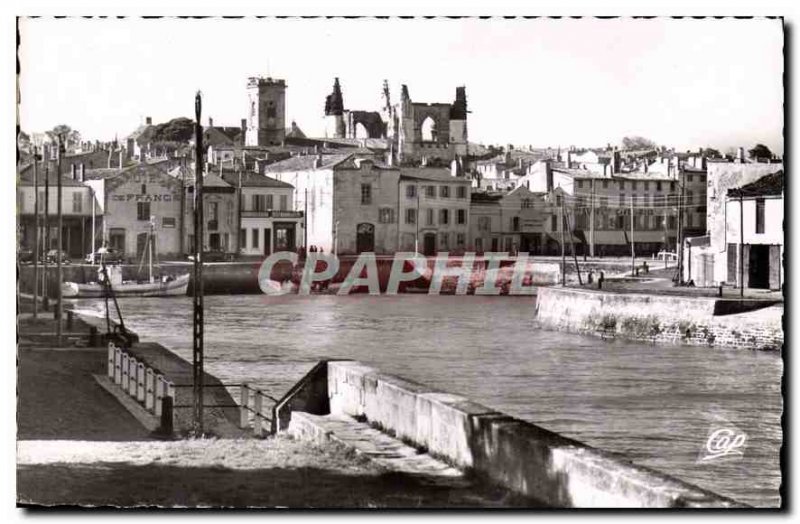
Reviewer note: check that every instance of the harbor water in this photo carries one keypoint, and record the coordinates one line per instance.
(655, 404)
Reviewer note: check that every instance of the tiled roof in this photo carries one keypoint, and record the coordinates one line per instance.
(431, 173)
(26, 179)
(101, 173)
(304, 163)
(768, 185)
(250, 179)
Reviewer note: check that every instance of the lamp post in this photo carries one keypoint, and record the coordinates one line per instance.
(59, 271)
(35, 233)
(197, 350)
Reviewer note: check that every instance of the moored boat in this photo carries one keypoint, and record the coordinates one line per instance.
(164, 287)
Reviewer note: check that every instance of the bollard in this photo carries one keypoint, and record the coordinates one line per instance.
(149, 390)
(244, 415)
(159, 394)
(124, 382)
(92, 336)
(112, 352)
(133, 366)
(140, 383)
(257, 420)
(118, 366)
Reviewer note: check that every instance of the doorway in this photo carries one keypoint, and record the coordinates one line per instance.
(429, 244)
(267, 241)
(758, 271)
(365, 238)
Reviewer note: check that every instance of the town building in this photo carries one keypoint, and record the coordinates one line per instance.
(356, 204)
(714, 259)
(267, 221)
(136, 202)
(78, 209)
(512, 221)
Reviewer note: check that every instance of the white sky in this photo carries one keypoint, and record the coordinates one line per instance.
(683, 83)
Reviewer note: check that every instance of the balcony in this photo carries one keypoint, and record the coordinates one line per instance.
(272, 213)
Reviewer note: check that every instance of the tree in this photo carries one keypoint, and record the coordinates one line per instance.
(24, 141)
(760, 151)
(637, 142)
(710, 152)
(70, 136)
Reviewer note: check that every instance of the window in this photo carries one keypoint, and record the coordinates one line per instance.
(411, 216)
(270, 201)
(254, 237)
(605, 184)
(484, 223)
(515, 224)
(259, 202)
(620, 222)
(168, 222)
(647, 186)
(386, 215)
(689, 198)
(77, 202)
(633, 185)
(672, 186)
(621, 199)
(461, 216)
(284, 202)
(759, 216)
(144, 189)
(527, 203)
(444, 216)
(558, 200)
(621, 184)
(444, 191)
(213, 211)
(658, 186)
(461, 192)
(553, 223)
(690, 178)
(143, 211)
(429, 220)
(430, 191)
(443, 241)
(461, 239)
(366, 194)
(242, 239)
(411, 191)
(579, 183)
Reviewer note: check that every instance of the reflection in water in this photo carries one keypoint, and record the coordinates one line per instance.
(655, 404)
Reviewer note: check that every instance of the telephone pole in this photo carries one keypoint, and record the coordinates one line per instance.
(591, 221)
(197, 350)
(563, 253)
(35, 234)
(633, 249)
(680, 223)
(60, 274)
(741, 244)
(46, 227)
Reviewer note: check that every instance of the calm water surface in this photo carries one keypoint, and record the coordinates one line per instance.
(655, 404)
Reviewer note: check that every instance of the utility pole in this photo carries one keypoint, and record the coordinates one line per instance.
(35, 234)
(741, 244)
(680, 223)
(45, 298)
(563, 253)
(197, 353)
(59, 271)
(633, 249)
(418, 218)
(572, 248)
(239, 213)
(591, 221)
(305, 221)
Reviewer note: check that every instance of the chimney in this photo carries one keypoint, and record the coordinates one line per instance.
(73, 172)
(318, 161)
(507, 159)
(244, 129)
(740, 154)
(548, 174)
(210, 122)
(455, 169)
(148, 120)
(121, 157)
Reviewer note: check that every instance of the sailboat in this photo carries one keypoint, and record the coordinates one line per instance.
(162, 287)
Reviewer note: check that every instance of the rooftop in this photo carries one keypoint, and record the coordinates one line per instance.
(769, 185)
(305, 163)
(250, 179)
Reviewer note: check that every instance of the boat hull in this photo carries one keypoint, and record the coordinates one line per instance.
(176, 287)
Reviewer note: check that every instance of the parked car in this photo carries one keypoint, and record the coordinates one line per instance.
(216, 255)
(667, 255)
(53, 255)
(109, 255)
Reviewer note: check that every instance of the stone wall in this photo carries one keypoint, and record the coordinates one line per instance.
(528, 459)
(655, 318)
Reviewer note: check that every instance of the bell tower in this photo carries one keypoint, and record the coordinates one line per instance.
(266, 112)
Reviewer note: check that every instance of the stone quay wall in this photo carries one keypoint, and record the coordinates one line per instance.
(530, 460)
(698, 321)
